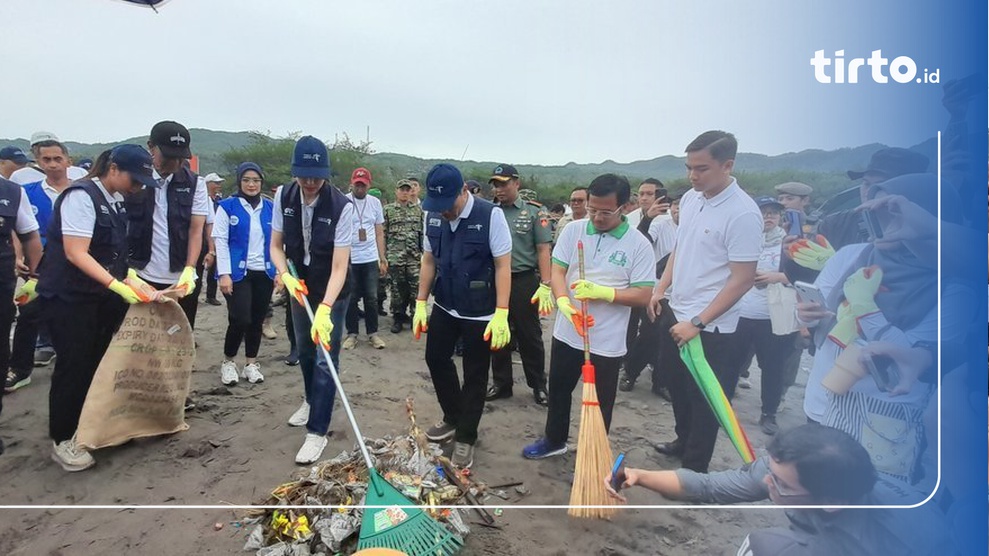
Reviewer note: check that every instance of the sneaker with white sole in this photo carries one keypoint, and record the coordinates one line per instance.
(252, 373)
(376, 342)
(71, 456)
(311, 449)
(268, 331)
(463, 455)
(301, 415)
(441, 432)
(16, 379)
(228, 373)
(350, 342)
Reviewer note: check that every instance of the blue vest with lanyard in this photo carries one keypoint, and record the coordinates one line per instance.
(239, 236)
(41, 205)
(465, 276)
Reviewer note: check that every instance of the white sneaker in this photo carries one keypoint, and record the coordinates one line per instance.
(301, 415)
(252, 373)
(228, 373)
(311, 449)
(71, 456)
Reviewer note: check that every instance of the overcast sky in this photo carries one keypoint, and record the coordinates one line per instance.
(524, 81)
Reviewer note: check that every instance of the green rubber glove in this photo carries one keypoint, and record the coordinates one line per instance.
(420, 319)
(26, 293)
(295, 287)
(576, 317)
(497, 330)
(811, 254)
(187, 280)
(544, 297)
(125, 291)
(860, 290)
(846, 328)
(585, 290)
(322, 326)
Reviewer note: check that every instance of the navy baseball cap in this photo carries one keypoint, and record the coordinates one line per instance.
(767, 201)
(136, 161)
(13, 154)
(85, 163)
(310, 159)
(443, 184)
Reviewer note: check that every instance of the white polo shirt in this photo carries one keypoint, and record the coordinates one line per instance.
(367, 214)
(499, 242)
(663, 233)
(157, 269)
(712, 233)
(79, 214)
(621, 258)
(28, 175)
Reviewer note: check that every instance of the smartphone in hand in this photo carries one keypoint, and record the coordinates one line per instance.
(618, 472)
(809, 293)
(883, 371)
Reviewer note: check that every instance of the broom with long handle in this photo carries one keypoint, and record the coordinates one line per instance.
(593, 449)
(397, 523)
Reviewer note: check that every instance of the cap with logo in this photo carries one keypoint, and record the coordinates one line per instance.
(172, 138)
(213, 177)
(136, 161)
(767, 202)
(85, 163)
(361, 175)
(794, 188)
(310, 159)
(443, 185)
(404, 183)
(13, 154)
(892, 162)
(42, 136)
(504, 172)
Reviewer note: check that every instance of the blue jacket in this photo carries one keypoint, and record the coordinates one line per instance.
(41, 205)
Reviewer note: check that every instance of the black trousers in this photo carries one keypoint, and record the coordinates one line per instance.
(7, 312)
(771, 352)
(247, 307)
(696, 426)
(646, 348)
(81, 333)
(365, 281)
(189, 303)
(565, 365)
(211, 283)
(29, 325)
(462, 405)
(527, 335)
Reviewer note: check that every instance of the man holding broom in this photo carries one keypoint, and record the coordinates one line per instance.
(619, 274)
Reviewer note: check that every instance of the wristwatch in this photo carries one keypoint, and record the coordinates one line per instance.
(696, 321)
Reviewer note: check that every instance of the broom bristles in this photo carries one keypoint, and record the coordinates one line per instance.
(593, 461)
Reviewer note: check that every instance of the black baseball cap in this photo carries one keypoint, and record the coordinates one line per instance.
(172, 138)
(504, 172)
(892, 162)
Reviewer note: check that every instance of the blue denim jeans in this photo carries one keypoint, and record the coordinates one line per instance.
(365, 281)
(320, 388)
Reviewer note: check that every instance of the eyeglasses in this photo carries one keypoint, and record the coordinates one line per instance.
(783, 492)
(593, 212)
(252, 181)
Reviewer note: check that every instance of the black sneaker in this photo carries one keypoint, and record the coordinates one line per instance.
(396, 326)
(44, 356)
(16, 379)
(292, 359)
(626, 384)
(213, 301)
(441, 432)
(768, 425)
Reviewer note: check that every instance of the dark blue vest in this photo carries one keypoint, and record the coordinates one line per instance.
(10, 202)
(239, 236)
(41, 206)
(326, 214)
(62, 279)
(140, 213)
(465, 276)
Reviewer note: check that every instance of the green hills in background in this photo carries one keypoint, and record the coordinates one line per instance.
(219, 151)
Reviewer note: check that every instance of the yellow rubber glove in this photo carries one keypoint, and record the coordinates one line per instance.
(26, 293)
(295, 287)
(497, 330)
(811, 254)
(125, 291)
(420, 319)
(322, 326)
(187, 280)
(585, 290)
(846, 328)
(576, 317)
(544, 297)
(861, 288)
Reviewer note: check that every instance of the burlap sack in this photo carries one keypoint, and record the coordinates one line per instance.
(142, 382)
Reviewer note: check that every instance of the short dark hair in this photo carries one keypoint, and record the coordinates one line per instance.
(576, 189)
(830, 463)
(558, 207)
(607, 184)
(653, 181)
(722, 145)
(36, 148)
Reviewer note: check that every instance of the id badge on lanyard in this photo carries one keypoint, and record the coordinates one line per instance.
(361, 234)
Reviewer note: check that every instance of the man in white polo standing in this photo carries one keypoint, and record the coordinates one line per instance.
(713, 264)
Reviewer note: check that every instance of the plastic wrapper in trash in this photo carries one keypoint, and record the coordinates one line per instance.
(456, 522)
(336, 529)
(255, 540)
(277, 549)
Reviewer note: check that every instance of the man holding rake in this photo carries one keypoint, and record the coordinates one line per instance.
(619, 274)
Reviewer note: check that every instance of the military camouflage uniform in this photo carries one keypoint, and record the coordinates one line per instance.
(403, 249)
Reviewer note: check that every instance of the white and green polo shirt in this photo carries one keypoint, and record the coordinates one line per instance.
(621, 258)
